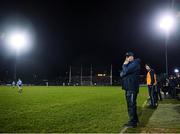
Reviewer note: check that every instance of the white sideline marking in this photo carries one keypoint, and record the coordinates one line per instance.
(125, 128)
(144, 104)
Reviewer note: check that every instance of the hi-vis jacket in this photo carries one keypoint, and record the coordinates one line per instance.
(151, 78)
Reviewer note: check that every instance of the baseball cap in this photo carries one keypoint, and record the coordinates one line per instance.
(129, 54)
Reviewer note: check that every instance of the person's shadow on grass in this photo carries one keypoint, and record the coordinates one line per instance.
(144, 114)
(177, 108)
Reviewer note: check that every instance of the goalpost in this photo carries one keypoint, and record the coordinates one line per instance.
(89, 76)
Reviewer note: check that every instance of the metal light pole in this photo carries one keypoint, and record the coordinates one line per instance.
(15, 71)
(166, 53)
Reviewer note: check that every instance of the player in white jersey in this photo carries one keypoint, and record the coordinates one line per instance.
(19, 84)
(13, 84)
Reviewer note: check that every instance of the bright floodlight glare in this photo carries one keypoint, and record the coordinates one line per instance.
(176, 70)
(17, 40)
(166, 23)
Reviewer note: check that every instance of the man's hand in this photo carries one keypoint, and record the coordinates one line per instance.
(126, 61)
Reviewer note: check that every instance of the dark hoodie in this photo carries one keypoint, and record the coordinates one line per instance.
(130, 75)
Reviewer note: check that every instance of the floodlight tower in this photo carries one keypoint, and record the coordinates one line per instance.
(166, 23)
(17, 41)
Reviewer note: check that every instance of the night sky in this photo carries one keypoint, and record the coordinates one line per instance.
(87, 32)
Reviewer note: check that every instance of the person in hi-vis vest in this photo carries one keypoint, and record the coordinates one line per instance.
(151, 83)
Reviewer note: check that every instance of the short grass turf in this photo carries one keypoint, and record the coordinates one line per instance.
(65, 109)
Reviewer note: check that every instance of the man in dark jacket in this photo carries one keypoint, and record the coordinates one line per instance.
(130, 83)
(172, 86)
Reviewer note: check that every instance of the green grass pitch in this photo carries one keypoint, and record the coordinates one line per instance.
(64, 109)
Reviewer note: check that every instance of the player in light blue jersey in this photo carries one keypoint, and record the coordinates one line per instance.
(19, 84)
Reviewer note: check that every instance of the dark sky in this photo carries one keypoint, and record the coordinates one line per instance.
(87, 32)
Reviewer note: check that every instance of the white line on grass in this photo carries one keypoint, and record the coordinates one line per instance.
(125, 128)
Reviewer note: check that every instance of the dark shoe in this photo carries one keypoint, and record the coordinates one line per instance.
(152, 107)
(130, 125)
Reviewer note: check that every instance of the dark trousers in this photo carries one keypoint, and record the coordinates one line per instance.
(131, 97)
(159, 97)
(152, 95)
(172, 91)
